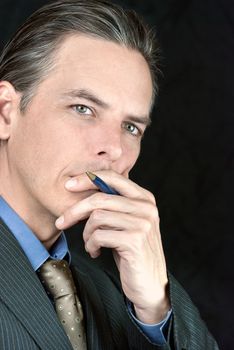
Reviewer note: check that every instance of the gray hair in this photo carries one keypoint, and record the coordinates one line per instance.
(28, 57)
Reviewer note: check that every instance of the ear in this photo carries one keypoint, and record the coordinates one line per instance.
(8, 108)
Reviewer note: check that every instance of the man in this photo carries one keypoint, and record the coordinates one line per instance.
(77, 86)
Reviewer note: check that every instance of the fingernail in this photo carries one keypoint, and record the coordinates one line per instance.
(71, 183)
(59, 222)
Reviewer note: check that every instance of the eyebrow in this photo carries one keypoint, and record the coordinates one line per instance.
(140, 120)
(90, 96)
(87, 95)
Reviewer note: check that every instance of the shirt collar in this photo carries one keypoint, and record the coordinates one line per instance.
(31, 245)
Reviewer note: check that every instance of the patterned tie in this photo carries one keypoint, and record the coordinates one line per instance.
(58, 281)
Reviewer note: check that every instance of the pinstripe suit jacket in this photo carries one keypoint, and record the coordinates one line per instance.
(28, 320)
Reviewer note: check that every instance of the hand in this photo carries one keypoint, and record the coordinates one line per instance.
(129, 224)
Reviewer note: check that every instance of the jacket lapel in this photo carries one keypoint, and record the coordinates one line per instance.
(23, 293)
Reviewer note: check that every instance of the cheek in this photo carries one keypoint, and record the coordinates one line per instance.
(130, 155)
(39, 151)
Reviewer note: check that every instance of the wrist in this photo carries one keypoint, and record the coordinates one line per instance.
(154, 314)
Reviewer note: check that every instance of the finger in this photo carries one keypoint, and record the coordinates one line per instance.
(105, 238)
(125, 186)
(84, 208)
(120, 183)
(106, 220)
(80, 183)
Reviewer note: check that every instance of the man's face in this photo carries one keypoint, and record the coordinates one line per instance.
(88, 114)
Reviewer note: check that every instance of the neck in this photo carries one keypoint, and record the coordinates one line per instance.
(38, 219)
(41, 224)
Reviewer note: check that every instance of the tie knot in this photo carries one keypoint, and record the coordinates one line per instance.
(57, 278)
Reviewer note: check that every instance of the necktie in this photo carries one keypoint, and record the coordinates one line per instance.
(58, 281)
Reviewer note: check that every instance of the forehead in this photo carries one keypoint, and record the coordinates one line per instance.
(110, 68)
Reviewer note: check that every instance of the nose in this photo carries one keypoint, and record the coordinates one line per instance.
(109, 145)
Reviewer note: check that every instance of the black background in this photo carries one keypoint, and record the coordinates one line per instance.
(187, 159)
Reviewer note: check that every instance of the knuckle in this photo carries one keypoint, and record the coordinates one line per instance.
(146, 225)
(153, 212)
(111, 173)
(151, 197)
(71, 214)
(85, 236)
(97, 214)
(96, 235)
(95, 199)
(98, 199)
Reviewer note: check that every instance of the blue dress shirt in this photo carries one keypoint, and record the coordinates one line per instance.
(38, 254)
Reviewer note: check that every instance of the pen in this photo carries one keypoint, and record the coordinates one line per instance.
(100, 183)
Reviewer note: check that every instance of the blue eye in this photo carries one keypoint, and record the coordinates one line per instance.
(82, 109)
(132, 129)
